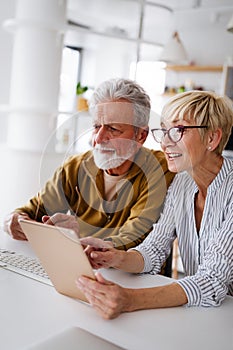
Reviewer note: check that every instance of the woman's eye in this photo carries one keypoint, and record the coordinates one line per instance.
(180, 129)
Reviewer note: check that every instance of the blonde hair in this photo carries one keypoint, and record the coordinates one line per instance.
(202, 108)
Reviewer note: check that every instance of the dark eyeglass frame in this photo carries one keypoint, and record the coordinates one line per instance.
(181, 129)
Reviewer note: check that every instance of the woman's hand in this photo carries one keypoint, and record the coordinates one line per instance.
(101, 254)
(62, 220)
(107, 298)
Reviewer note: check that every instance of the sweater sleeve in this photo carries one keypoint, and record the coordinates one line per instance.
(57, 194)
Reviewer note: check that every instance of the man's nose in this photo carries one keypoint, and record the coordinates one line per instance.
(102, 134)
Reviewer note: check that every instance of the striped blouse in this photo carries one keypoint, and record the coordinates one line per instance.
(207, 256)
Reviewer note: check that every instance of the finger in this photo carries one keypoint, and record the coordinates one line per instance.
(98, 305)
(64, 220)
(57, 218)
(94, 242)
(91, 291)
(97, 298)
(21, 237)
(101, 279)
(45, 218)
(15, 229)
(95, 285)
(103, 258)
(18, 234)
(94, 264)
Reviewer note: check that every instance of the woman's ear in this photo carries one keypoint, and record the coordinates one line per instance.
(214, 138)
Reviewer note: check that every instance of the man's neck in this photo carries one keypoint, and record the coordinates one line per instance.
(121, 170)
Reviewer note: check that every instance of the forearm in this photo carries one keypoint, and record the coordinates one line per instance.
(130, 261)
(110, 299)
(157, 297)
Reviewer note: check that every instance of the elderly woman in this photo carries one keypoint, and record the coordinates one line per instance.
(195, 127)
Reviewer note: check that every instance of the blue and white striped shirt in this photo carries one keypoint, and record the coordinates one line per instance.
(207, 256)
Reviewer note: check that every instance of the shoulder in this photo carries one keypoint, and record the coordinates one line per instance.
(223, 183)
(76, 160)
(154, 156)
(227, 169)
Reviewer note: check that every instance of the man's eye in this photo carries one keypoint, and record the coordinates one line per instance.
(96, 127)
(113, 130)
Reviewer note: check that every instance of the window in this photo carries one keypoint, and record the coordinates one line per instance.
(151, 76)
(70, 75)
(70, 71)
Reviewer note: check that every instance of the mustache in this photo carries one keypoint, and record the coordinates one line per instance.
(104, 148)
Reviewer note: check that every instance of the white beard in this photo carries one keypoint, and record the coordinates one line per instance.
(107, 158)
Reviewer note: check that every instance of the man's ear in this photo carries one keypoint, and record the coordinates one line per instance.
(142, 134)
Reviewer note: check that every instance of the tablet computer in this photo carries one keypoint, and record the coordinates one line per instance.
(60, 254)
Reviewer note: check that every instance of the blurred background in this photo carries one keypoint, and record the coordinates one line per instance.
(49, 46)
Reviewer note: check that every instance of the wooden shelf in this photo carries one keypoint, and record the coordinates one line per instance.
(193, 68)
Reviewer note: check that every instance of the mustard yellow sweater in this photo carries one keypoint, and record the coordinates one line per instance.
(78, 186)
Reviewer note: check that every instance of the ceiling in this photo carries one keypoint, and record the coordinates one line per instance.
(149, 22)
(158, 17)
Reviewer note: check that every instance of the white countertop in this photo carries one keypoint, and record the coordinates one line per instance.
(32, 311)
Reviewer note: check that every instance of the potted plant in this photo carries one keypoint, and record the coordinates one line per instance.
(82, 101)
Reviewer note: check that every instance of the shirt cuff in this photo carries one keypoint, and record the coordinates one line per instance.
(192, 291)
(147, 260)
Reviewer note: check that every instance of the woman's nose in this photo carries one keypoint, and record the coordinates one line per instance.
(166, 141)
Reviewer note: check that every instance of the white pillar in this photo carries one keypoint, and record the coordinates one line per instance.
(38, 30)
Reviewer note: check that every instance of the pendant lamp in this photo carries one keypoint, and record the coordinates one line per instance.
(174, 51)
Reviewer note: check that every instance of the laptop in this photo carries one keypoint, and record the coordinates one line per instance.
(74, 338)
(60, 254)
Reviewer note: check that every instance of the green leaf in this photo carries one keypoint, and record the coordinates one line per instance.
(81, 89)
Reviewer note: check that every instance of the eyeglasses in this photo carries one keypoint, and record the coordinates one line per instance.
(175, 133)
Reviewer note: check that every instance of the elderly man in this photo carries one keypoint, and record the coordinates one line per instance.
(115, 191)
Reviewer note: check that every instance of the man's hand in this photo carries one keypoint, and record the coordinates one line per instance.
(62, 220)
(12, 225)
(101, 254)
(107, 298)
